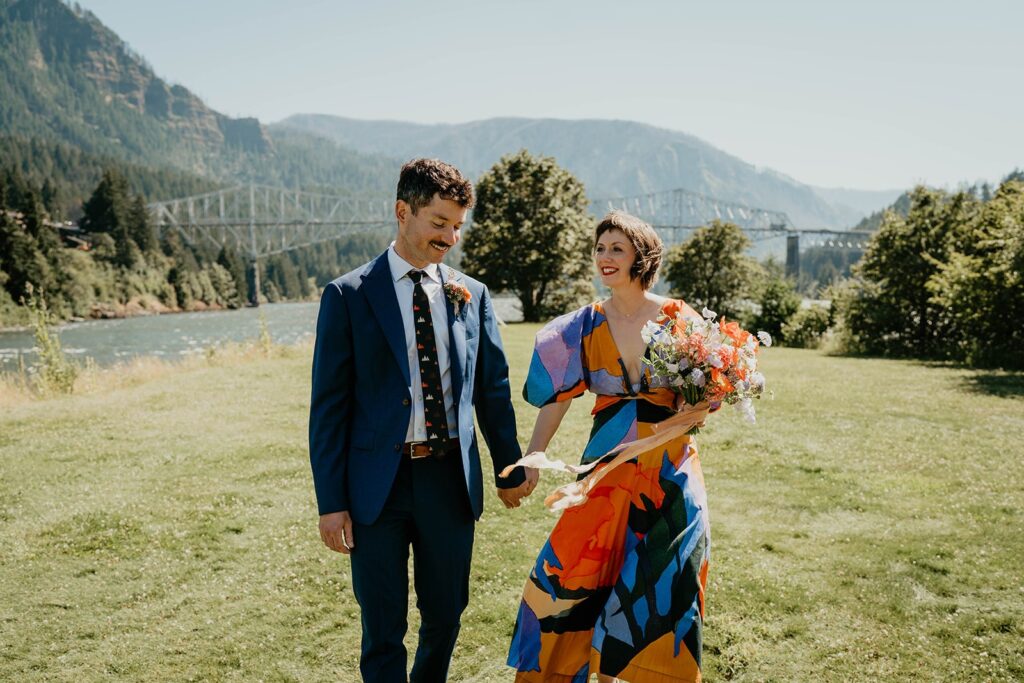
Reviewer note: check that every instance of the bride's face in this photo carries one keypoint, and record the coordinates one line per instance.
(613, 257)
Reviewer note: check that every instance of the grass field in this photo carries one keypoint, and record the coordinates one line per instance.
(869, 527)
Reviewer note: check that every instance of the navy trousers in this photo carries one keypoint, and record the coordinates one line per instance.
(428, 510)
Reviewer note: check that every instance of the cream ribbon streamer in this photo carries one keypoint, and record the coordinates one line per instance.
(575, 493)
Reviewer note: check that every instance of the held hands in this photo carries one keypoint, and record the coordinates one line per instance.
(336, 532)
(512, 498)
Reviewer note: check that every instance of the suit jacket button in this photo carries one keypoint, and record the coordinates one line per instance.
(405, 401)
(398, 447)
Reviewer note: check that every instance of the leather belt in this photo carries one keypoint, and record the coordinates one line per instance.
(419, 449)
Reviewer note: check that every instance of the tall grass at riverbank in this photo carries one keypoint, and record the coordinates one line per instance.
(28, 383)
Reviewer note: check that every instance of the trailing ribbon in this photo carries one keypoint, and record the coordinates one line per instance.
(575, 493)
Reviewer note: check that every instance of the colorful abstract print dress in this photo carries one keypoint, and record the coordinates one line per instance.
(618, 588)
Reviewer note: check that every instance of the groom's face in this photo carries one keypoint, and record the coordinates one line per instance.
(425, 236)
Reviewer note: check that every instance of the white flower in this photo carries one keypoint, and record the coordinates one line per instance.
(765, 338)
(684, 363)
(697, 377)
(676, 381)
(748, 361)
(650, 331)
(746, 408)
(708, 313)
(757, 380)
(672, 367)
(715, 361)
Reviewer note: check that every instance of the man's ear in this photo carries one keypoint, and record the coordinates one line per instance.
(402, 211)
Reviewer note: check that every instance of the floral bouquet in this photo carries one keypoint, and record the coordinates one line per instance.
(704, 360)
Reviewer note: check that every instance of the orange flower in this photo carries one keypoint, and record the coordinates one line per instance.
(721, 381)
(732, 330)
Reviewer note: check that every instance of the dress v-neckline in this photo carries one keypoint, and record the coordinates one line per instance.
(631, 388)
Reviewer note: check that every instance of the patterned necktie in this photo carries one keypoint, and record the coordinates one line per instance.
(430, 370)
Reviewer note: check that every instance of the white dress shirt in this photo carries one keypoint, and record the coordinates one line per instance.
(431, 284)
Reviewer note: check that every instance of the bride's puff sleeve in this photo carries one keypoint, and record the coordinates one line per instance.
(557, 369)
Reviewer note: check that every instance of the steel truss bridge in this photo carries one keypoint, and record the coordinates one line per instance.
(676, 214)
(260, 221)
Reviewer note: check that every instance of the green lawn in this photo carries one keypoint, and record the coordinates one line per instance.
(869, 527)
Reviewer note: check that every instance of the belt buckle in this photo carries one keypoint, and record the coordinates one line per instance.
(412, 450)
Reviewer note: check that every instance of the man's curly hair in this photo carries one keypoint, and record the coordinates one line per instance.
(421, 179)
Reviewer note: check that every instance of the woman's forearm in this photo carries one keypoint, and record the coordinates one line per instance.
(548, 419)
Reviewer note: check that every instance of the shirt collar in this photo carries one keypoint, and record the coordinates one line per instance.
(400, 267)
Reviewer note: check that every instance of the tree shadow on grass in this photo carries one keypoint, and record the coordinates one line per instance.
(1005, 384)
(991, 382)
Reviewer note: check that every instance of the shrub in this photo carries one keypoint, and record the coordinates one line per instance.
(806, 328)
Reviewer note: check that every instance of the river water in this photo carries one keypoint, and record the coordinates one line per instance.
(177, 335)
(172, 336)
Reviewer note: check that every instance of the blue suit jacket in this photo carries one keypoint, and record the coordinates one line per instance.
(361, 406)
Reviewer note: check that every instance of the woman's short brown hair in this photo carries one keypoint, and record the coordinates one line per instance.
(646, 243)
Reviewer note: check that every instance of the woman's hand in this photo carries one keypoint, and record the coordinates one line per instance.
(694, 415)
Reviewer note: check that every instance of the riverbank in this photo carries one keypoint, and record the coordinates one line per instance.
(17, 388)
(166, 337)
(165, 529)
(140, 307)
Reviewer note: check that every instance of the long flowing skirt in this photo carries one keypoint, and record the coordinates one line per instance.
(619, 586)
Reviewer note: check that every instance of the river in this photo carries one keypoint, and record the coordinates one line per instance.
(172, 336)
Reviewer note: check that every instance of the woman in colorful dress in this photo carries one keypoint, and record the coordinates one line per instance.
(618, 589)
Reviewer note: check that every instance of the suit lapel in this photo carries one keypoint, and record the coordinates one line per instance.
(380, 292)
(456, 337)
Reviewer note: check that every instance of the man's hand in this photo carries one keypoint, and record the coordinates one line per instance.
(512, 498)
(336, 532)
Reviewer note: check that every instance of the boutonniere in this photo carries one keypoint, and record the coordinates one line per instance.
(456, 292)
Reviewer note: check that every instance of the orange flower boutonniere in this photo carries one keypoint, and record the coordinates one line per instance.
(457, 293)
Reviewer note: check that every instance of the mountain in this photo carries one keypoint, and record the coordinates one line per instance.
(862, 201)
(900, 206)
(67, 78)
(613, 158)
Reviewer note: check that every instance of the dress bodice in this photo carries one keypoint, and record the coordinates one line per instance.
(576, 352)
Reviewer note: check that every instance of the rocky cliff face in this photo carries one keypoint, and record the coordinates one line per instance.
(64, 47)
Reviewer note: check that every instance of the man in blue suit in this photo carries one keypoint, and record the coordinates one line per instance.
(406, 349)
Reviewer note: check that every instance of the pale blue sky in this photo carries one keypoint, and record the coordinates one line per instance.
(866, 94)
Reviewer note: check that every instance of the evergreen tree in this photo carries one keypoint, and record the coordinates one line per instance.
(141, 228)
(281, 271)
(230, 261)
(107, 208)
(20, 258)
(50, 196)
(33, 214)
(46, 245)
